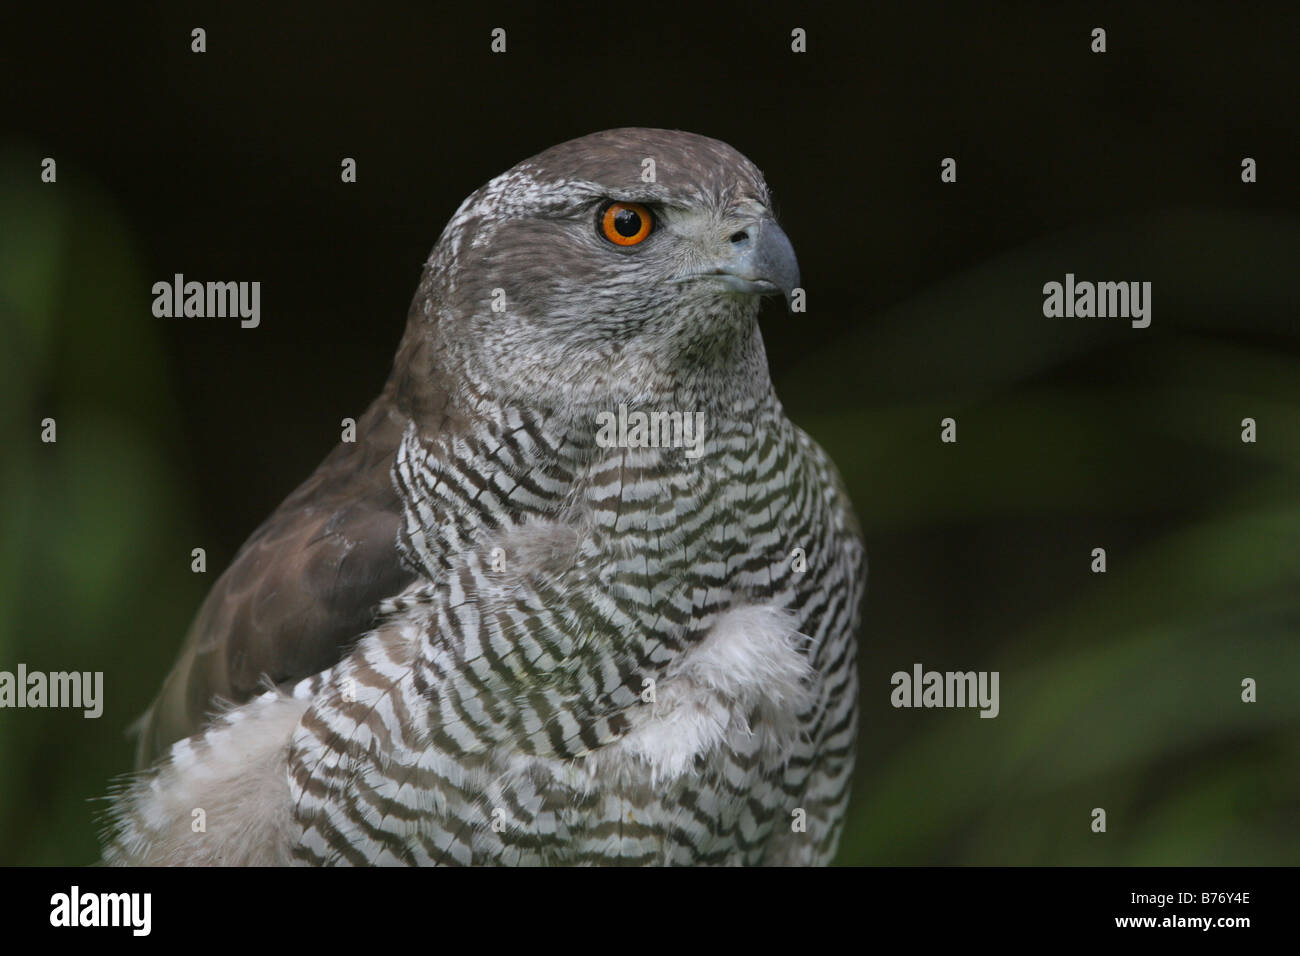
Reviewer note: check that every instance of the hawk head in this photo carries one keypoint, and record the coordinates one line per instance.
(622, 263)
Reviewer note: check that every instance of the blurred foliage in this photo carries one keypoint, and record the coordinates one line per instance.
(94, 568)
(1119, 691)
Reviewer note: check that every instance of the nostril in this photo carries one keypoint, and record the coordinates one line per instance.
(739, 236)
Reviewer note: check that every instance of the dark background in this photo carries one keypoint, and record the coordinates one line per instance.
(1118, 691)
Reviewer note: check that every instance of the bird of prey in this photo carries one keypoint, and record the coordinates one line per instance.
(578, 593)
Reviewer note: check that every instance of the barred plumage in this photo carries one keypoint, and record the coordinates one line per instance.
(603, 654)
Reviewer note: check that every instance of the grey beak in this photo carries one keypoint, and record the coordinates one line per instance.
(763, 261)
(774, 258)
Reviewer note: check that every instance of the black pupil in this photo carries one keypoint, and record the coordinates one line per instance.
(627, 223)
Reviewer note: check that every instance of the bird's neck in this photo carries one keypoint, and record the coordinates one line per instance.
(470, 447)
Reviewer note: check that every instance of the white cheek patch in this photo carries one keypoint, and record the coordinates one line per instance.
(750, 659)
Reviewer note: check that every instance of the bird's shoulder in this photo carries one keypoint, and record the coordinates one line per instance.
(299, 592)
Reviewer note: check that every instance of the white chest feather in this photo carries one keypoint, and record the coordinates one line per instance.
(750, 663)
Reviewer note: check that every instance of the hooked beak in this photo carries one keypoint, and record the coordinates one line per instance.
(761, 262)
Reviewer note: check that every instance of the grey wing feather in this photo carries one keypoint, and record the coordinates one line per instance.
(300, 591)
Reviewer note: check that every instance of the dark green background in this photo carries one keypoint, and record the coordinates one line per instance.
(1118, 691)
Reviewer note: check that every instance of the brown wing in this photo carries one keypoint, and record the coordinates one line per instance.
(302, 589)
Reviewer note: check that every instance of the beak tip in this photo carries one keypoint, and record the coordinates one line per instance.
(789, 290)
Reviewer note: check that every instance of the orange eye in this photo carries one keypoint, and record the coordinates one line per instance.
(625, 223)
